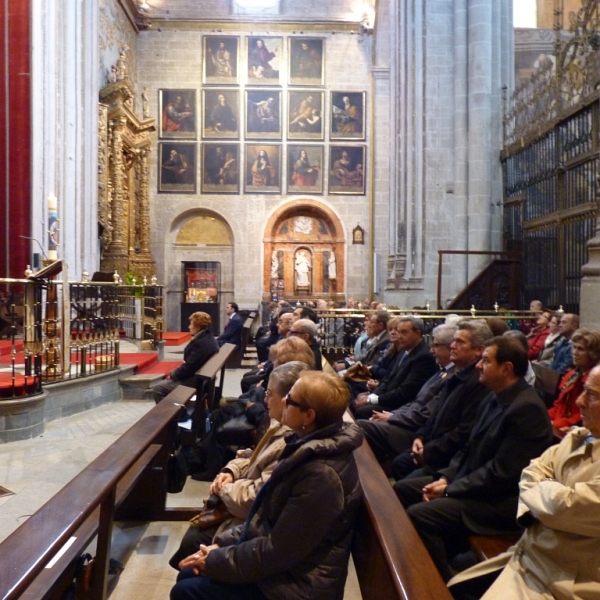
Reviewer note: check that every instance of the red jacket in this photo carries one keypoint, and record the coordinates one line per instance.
(565, 412)
(536, 341)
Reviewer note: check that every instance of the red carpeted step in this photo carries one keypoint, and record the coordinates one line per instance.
(143, 360)
(16, 387)
(160, 367)
(176, 338)
(6, 346)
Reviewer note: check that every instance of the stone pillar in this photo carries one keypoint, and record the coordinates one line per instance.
(480, 103)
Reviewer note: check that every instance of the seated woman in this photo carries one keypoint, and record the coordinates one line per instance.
(296, 540)
(200, 348)
(585, 346)
(230, 423)
(240, 480)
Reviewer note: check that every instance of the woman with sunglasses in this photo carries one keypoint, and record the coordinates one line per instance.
(295, 542)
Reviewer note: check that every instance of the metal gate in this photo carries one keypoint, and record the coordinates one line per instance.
(550, 164)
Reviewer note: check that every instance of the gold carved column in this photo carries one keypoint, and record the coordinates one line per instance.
(125, 202)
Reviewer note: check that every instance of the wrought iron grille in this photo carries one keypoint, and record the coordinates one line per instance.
(550, 164)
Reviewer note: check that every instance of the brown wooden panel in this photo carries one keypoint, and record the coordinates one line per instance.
(390, 559)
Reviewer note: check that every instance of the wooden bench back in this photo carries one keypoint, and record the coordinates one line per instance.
(391, 561)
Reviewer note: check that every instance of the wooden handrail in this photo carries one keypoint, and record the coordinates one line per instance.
(25, 553)
(390, 559)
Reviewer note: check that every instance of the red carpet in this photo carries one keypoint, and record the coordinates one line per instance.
(159, 368)
(143, 360)
(176, 338)
(6, 346)
(16, 387)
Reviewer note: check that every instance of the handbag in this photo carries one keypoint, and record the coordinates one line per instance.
(358, 372)
(211, 516)
(176, 472)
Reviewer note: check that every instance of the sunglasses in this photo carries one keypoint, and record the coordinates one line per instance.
(289, 401)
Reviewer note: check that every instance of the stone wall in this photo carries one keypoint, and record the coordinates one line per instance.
(172, 58)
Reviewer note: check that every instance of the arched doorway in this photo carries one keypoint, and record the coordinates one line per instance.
(304, 249)
(198, 236)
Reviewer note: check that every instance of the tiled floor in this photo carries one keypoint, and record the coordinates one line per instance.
(34, 470)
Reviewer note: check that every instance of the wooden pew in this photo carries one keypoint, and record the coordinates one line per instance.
(390, 559)
(235, 360)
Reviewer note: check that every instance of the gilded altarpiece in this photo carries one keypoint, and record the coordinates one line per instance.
(304, 255)
(123, 194)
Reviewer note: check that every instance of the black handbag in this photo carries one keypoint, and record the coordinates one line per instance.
(176, 471)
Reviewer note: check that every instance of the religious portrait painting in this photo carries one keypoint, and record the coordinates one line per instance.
(347, 170)
(305, 115)
(305, 169)
(306, 61)
(220, 114)
(177, 168)
(347, 116)
(220, 168)
(263, 114)
(263, 169)
(177, 119)
(264, 60)
(221, 58)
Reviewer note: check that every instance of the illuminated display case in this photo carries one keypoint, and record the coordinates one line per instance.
(201, 291)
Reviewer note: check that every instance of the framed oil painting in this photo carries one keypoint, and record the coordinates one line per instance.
(306, 61)
(305, 169)
(220, 114)
(221, 59)
(177, 167)
(263, 114)
(177, 114)
(347, 116)
(263, 169)
(265, 56)
(347, 170)
(220, 168)
(305, 115)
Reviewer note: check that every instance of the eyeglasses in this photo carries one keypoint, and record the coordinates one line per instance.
(289, 401)
(292, 332)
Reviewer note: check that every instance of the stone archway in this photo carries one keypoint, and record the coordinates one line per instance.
(304, 249)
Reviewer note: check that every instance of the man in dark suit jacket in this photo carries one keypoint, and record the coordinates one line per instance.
(416, 366)
(379, 338)
(391, 432)
(232, 334)
(199, 349)
(478, 492)
(449, 427)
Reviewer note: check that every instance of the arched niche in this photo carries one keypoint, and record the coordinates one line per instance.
(197, 235)
(311, 227)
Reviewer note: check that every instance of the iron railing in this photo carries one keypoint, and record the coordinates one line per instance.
(49, 334)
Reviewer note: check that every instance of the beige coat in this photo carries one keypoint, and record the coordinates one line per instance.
(249, 474)
(558, 557)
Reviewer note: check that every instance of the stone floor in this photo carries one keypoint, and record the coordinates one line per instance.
(34, 470)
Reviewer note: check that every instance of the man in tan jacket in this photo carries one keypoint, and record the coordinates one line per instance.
(557, 557)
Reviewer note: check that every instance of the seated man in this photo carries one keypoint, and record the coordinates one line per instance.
(199, 349)
(448, 429)
(390, 433)
(559, 504)
(305, 312)
(478, 491)
(563, 355)
(308, 331)
(264, 343)
(232, 334)
(252, 377)
(402, 385)
(537, 336)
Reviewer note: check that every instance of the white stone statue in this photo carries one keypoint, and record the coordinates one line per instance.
(332, 267)
(303, 267)
(274, 265)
